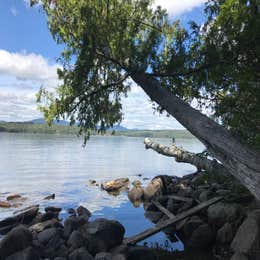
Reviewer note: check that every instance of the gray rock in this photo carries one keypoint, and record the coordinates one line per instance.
(154, 188)
(239, 256)
(136, 194)
(27, 254)
(201, 238)
(115, 185)
(73, 223)
(190, 225)
(205, 195)
(141, 253)
(103, 235)
(16, 240)
(247, 238)
(46, 235)
(225, 234)
(83, 212)
(39, 227)
(81, 254)
(220, 213)
(104, 256)
(60, 258)
(76, 240)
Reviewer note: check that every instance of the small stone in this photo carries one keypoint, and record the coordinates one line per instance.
(13, 196)
(5, 204)
(50, 197)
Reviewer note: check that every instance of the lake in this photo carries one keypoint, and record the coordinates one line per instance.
(37, 165)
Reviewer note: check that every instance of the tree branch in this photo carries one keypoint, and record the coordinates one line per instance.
(181, 155)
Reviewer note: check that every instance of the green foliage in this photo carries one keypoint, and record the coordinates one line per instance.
(106, 41)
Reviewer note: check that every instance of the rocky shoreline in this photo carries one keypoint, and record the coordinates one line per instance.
(228, 229)
(34, 235)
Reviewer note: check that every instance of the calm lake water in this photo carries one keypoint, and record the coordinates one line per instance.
(38, 165)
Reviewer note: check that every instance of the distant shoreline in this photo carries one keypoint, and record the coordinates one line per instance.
(73, 130)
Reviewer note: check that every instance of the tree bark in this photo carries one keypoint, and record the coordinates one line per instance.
(237, 158)
(186, 157)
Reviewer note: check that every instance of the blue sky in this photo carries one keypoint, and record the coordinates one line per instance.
(28, 57)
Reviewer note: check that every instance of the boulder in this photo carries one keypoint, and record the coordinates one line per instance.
(190, 225)
(83, 212)
(201, 238)
(103, 235)
(220, 213)
(225, 234)
(115, 185)
(25, 216)
(73, 223)
(76, 240)
(81, 254)
(39, 227)
(27, 254)
(16, 240)
(49, 235)
(141, 253)
(136, 194)
(154, 188)
(53, 209)
(71, 212)
(247, 238)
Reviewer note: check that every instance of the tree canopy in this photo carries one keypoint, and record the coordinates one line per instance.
(106, 41)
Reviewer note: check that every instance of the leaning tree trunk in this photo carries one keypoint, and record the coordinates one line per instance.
(181, 155)
(237, 158)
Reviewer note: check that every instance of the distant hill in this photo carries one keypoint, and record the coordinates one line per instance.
(42, 121)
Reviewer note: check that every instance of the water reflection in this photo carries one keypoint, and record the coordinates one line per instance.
(39, 165)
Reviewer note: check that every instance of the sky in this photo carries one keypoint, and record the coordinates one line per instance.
(28, 60)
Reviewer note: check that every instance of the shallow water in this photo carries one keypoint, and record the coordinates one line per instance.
(38, 165)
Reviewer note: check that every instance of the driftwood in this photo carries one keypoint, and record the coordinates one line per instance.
(163, 209)
(181, 155)
(179, 198)
(151, 231)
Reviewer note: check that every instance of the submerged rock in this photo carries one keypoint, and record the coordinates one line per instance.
(50, 197)
(5, 204)
(115, 185)
(13, 196)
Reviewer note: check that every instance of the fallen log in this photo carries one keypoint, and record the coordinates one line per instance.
(151, 231)
(181, 155)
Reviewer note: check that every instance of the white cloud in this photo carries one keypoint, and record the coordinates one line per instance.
(21, 75)
(26, 66)
(177, 7)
